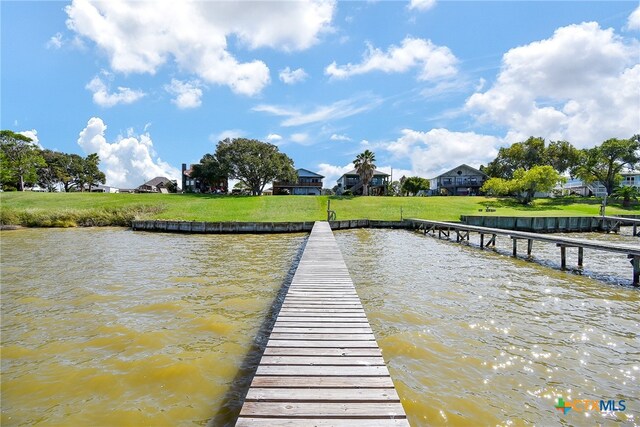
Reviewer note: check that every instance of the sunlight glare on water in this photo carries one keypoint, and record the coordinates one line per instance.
(109, 327)
(476, 337)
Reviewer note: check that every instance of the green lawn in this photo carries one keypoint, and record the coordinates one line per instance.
(69, 209)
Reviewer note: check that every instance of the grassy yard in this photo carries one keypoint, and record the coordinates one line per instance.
(71, 209)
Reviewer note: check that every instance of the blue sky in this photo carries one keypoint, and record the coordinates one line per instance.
(426, 85)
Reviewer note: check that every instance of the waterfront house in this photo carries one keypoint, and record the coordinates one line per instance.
(193, 185)
(578, 187)
(631, 179)
(159, 184)
(351, 181)
(308, 184)
(462, 180)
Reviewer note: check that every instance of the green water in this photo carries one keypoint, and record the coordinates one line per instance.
(110, 327)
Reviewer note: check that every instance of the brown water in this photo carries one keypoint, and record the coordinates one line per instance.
(479, 338)
(115, 328)
(110, 327)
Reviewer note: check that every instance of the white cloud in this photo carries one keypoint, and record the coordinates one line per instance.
(33, 135)
(439, 150)
(421, 4)
(337, 137)
(140, 37)
(331, 173)
(580, 85)
(103, 98)
(127, 162)
(188, 94)
(633, 22)
(432, 61)
(323, 113)
(55, 42)
(293, 77)
(274, 137)
(301, 138)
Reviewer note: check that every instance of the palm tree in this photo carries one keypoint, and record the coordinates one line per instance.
(365, 167)
(626, 193)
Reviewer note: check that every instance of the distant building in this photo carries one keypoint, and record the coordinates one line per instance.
(104, 189)
(462, 180)
(158, 184)
(631, 179)
(308, 184)
(578, 187)
(193, 185)
(351, 181)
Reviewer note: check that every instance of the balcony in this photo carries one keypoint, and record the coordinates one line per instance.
(297, 184)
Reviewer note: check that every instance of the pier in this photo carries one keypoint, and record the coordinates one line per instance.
(322, 365)
(618, 221)
(488, 238)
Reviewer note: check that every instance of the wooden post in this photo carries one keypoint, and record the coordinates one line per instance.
(529, 247)
(563, 257)
(515, 247)
(635, 262)
(635, 230)
(481, 240)
(580, 256)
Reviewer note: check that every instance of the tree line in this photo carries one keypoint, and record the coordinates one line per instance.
(23, 164)
(532, 166)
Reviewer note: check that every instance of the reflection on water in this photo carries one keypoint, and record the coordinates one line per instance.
(111, 327)
(479, 338)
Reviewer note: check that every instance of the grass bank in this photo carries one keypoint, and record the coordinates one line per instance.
(86, 209)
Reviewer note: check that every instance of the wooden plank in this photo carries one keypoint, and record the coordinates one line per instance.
(320, 382)
(329, 371)
(322, 360)
(320, 422)
(323, 409)
(322, 344)
(335, 352)
(323, 394)
(330, 337)
(304, 329)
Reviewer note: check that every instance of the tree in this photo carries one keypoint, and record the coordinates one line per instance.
(412, 185)
(20, 159)
(209, 171)
(532, 152)
(72, 168)
(254, 163)
(627, 193)
(52, 172)
(364, 164)
(604, 163)
(525, 183)
(91, 173)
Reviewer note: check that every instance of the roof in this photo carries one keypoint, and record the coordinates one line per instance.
(157, 181)
(308, 174)
(450, 172)
(376, 172)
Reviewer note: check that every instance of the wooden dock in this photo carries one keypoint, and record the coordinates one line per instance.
(488, 238)
(322, 365)
(618, 221)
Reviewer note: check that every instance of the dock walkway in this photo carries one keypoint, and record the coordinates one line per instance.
(322, 365)
(462, 234)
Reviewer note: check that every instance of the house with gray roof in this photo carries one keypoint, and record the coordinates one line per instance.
(351, 181)
(462, 180)
(308, 184)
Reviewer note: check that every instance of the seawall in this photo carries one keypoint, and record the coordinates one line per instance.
(551, 224)
(256, 227)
